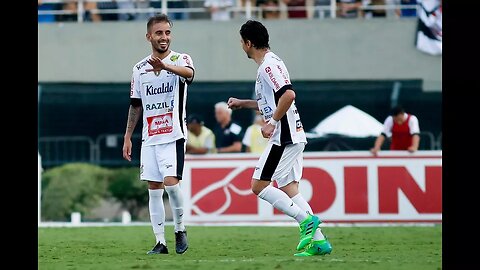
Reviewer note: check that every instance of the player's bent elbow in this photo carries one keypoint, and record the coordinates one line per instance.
(290, 94)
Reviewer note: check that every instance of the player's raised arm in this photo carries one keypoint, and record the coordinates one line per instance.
(185, 71)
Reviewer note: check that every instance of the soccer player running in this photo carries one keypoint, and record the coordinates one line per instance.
(282, 159)
(159, 90)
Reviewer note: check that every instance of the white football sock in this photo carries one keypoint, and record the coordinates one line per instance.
(175, 197)
(300, 201)
(282, 202)
(157, 214)
(303, 204)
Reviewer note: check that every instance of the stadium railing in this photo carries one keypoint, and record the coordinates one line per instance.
(106, 149)
(248, 11)
(59, 150)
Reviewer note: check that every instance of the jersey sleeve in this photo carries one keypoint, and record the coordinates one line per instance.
(186, 61)
(413, 125)
(246, 137)
(277, 78)
(387, 127)
(135, 85)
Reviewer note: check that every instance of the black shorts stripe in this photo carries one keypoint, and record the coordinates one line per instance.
(272, 161)
(181, 96)
(180, 147)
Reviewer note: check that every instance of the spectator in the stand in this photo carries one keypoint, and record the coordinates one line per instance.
(46, 18)
(301, 12)
(228, 135)
(349, 8)
(219, 9)
(110, 5)
(403, 129)
(126, 15)
(372, 9)
(143, 4)
(322, 13)
(270, 9)
(72, 6)
(253, 138)
(173, 4)
(201, 139)
(406, 12)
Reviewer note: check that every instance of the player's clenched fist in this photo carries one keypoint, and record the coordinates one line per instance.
(234, 103)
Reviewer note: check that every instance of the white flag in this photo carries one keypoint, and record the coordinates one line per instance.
(429, 28)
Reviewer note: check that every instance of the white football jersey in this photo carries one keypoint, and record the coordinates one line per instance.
(164, 96)
(272, 81)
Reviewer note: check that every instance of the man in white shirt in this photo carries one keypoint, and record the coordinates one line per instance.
(219, 9)
(159, 90)
(282, 159)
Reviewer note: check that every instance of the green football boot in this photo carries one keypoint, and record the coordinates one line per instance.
(307, 229)
(320, 247)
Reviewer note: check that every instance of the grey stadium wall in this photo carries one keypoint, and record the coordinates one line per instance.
(329, 49)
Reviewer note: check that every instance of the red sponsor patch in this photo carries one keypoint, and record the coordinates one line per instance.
(160, 124)
(187, 60)
(272, 78)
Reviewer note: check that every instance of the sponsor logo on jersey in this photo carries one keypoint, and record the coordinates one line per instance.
(160, 124)
(187, 60)
(165, 88)
(258, 96)
(267, 109)
(285, 79)
(299, 125)
(174, 57)
(157, 106)
(142, 64)
(131, 86)
(272, 78)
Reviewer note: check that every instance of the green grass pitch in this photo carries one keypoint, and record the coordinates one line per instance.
(225, 248)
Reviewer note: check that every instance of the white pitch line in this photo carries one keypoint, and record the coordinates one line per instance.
(232, 224)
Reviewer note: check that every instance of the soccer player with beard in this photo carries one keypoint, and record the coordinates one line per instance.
(282, 159)
(159, 91)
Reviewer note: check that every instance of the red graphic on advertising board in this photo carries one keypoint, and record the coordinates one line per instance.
(323, 189)
(223, 191)
(393, 179)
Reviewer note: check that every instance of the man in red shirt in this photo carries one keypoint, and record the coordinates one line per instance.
(402, 128)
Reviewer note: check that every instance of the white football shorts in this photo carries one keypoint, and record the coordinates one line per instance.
(282, 164)
(161, 160)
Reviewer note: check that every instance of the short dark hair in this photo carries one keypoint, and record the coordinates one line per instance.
(256, 32)
(160, 17)
(397, 110)
(194, 118)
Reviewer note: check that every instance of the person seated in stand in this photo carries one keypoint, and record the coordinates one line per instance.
(201, 139)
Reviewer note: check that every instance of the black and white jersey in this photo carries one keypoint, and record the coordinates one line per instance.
(272, 81)
(164, 96)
